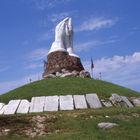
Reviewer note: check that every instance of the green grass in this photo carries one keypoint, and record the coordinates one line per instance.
(63, 86)
(78, 125)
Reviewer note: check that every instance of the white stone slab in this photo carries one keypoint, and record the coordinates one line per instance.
(12, 107)
(93, 101)
(37, 104)
(66, 102)
(125, 99)
(3, 109)
(51, 103)
(1, 105)
(23, 107)
(80, 102)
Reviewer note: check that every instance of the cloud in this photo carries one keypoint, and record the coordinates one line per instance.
(54, 18)
(34, 65)
(96, 23)
(38, 54)
(58, 16)
(10, 85)
(134, 30)
(35, 58)
(123, 70)
(43, 4)
(91, 44)
(45, 36)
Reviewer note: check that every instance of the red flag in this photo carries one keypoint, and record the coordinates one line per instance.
(92, 64)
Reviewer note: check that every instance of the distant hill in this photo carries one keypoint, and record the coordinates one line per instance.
(64, 86)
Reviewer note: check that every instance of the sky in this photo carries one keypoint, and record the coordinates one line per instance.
(106, 30)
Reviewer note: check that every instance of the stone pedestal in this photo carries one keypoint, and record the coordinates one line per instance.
(59, 60)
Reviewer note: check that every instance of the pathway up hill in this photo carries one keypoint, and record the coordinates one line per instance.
(65, 86)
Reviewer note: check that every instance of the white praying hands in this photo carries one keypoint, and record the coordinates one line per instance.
(64, 37)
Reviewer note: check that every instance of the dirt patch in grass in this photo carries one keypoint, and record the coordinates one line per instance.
(30, 126)
(72, 123)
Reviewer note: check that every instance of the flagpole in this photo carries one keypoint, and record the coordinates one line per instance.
(92, 66)
(91, 72)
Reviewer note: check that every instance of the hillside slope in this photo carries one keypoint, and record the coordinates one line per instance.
(64, 86)
(72, 125)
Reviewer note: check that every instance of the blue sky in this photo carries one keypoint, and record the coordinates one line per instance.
(106, 30)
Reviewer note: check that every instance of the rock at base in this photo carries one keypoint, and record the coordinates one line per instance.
(50, 76)
(67, 75)
(84, 74)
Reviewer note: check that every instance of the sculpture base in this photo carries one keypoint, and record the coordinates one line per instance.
(62, 60)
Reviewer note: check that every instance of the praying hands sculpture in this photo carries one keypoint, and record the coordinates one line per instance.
(64, 37)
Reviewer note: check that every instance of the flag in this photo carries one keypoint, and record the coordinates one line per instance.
(92, 64)
(45, 64)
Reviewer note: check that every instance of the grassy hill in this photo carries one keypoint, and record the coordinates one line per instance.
(70, 125)
(63, 86)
